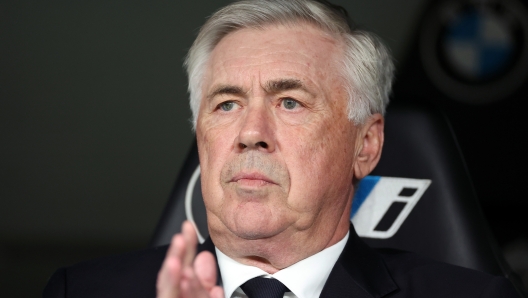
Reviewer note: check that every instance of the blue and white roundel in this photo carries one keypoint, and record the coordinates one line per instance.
(476, 51)
(478, 44)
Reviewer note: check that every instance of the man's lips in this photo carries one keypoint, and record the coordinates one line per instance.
(252, 179)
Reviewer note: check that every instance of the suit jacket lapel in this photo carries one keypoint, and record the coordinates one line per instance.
(360, 272)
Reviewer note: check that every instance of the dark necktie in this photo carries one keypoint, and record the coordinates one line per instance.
(260, 287)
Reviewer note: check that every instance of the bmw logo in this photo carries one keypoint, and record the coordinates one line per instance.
(476, 51)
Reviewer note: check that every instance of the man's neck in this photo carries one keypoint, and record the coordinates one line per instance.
(273, 255)
(314, 271)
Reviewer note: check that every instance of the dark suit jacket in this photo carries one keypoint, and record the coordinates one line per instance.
(360, 272)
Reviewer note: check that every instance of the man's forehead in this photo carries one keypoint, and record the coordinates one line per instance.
(292, 39)
(277, 55)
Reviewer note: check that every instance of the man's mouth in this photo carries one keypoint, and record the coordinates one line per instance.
(253, 179)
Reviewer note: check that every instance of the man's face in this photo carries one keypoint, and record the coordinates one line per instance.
(276, 149)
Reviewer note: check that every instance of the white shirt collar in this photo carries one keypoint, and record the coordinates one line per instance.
(305, 278)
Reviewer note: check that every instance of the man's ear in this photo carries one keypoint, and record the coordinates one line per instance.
(369, 143)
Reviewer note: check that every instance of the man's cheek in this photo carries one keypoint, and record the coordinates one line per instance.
(304, 185)
(215, 152)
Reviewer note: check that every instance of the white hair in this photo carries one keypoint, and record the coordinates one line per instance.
(366, 65)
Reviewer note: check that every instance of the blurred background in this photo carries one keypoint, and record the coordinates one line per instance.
(94, 120)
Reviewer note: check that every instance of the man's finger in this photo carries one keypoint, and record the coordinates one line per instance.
(216, 292)
(169, 277)
(205, 269)
(191, 286)
(172, 252)
(180, 256)
(191, 240)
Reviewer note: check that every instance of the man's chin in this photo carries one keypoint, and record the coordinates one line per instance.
(254, 229)
(249, 222)
(254, 234)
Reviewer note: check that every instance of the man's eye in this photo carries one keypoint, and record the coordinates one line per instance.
(227, 106)
(289, 103)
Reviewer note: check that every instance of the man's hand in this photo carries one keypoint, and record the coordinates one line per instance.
(183, 276)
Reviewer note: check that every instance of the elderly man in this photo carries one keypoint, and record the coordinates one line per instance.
(288, 106)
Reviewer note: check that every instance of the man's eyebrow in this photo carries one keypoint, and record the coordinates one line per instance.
(275, 86)
(225, 89)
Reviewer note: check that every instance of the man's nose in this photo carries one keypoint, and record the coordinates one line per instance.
(257, 130)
